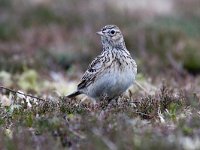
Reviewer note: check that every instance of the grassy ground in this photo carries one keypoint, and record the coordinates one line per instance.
(45, 48)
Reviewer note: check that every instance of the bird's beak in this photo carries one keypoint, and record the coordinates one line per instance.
(99, 33)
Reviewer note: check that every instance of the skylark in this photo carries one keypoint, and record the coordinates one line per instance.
(112, 72)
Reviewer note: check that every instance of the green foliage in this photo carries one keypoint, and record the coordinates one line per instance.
(29, 119)
(28, 80)
(187, 130)
(191, 57)
(5, 4)
(188, 25)
(9, 144)
(40, 15)
(8, 31)
(5, 78)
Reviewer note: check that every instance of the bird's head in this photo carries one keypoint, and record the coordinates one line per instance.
(111, 34)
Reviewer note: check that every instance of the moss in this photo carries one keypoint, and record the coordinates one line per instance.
(191, 57)
(28, 80)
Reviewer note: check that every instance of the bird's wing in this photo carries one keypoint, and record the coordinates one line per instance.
(95, 68)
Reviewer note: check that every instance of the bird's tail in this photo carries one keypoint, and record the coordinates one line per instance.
(74, 94)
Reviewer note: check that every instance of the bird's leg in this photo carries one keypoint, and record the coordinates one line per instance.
(103, 106)
(116, 100)
(104, 101)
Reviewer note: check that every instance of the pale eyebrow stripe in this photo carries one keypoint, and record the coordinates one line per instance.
(110, 27)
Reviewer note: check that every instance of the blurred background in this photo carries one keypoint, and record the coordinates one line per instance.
(48, 44)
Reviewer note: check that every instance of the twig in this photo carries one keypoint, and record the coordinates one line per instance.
(106, 141)
(141, 113)
(28, 95)
(177, 66)
(141, 87)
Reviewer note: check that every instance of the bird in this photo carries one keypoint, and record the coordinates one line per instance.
(112, 72)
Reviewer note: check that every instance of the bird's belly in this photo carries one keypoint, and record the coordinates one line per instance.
(112, 84)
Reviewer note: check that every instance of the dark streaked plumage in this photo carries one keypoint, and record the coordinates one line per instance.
(112, 72)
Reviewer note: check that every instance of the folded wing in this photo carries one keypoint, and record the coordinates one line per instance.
(95, 68)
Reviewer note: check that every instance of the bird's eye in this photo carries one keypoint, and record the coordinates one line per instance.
(112, 31)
